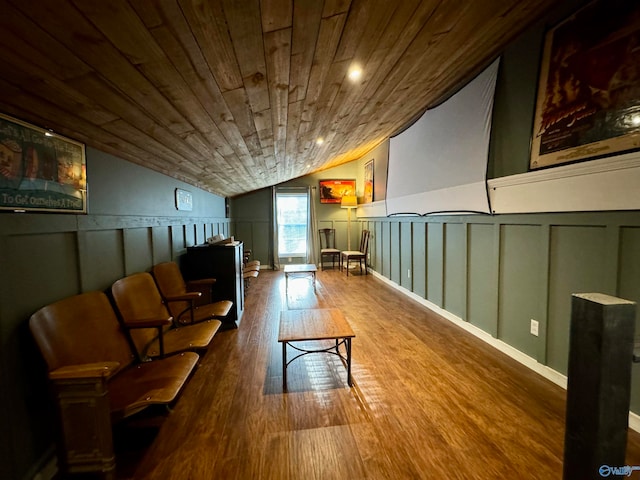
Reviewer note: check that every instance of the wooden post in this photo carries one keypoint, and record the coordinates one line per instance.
(599, 384)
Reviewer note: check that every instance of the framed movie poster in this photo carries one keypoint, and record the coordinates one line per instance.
(332, 191)
(40, 170)
(588, 102)
(368, 182)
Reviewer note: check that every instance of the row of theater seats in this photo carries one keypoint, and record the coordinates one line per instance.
(110, 355)
(251, 269)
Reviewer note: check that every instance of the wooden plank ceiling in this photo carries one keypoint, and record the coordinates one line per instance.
(232, 95)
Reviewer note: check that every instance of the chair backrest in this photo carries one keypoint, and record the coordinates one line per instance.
(79, 330)
(327, 237)
(169, 279)
(364, 241)
(171, 283)
(137, 298)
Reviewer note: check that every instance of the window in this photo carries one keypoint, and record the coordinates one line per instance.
(292, 210)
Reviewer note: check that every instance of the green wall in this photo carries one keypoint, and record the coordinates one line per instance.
(499, 272)
(131, 224)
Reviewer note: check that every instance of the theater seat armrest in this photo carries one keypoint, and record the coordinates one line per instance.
(158, 323)
(88, 370)
(189, 296)
(149, 322)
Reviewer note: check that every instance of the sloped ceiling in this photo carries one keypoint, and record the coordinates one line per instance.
(232, 95)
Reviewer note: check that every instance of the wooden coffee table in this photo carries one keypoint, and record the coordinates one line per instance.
(315, 324)
(304, 270)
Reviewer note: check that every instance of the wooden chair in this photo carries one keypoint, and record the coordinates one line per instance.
(181, 298)
(95, 377)
(248, 263)
(248, 274)
(328, 246)
(151, 327)
(360, 255)
(250, 269)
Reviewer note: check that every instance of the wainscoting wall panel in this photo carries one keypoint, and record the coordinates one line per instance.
(38, 269)
(261, 249)
(387, 253)
(138, 250)
(395, 248)
(455, 269)
(44, 261)
(243, 231)
(255, 236)
(629, 281)
(519, 300)
(500, 272)
(482, 273)
(419, 260)
(406, 255)
(577, 265)
(101, 258)
(161, 241)
(191, 235)
(375, 249)
(435, 263)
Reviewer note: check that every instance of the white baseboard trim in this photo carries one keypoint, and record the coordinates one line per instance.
(546, 372)
(634, 422)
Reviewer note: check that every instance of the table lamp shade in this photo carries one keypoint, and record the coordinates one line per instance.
(349, 201)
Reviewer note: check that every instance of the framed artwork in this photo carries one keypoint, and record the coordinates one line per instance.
(332, 191)
(588, 103)
(368, 182)
(40, 170)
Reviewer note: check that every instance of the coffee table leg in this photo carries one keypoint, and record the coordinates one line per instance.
(284, 365)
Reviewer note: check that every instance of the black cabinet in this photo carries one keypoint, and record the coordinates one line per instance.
(224, 263)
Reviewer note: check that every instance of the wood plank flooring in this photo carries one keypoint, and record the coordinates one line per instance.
(429, 400)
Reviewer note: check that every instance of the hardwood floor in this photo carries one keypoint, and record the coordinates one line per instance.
(429, 400)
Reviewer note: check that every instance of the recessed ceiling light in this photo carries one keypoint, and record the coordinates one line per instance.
(319, 141)
(355, 72)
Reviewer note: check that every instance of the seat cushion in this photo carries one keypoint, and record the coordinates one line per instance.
(211, 310)
(192, 337)
(150, 383)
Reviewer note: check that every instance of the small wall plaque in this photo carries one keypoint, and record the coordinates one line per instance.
(184, 200)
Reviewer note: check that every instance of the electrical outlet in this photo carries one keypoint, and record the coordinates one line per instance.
(534, 327)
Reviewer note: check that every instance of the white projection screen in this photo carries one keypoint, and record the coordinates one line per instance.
(439, 163)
